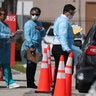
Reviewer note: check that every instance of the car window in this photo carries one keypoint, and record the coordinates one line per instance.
(89, 37)
(50, 33)
(94, 37)
(78, 35)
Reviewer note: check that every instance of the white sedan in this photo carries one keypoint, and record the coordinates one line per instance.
(48, 39)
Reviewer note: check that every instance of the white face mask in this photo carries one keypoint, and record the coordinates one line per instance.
(34, 17)
(70, 16)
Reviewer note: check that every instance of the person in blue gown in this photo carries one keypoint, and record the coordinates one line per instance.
(64, 38)
(5, 50)
(33, 34)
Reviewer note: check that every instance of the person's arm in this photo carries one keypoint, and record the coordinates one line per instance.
(27, 34)
(41, 29)
(3, 35)
(63, 36)
(43, 32)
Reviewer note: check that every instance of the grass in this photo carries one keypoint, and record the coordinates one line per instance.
(18, 66)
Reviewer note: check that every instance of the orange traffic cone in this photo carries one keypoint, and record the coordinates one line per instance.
(44, 84)
(49, 64)
(68, 71)
(53, 73)
(1, 74)
(60, 87)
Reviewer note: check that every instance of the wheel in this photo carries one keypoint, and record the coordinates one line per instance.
(83, 87)
(76, 84)
(76, 80)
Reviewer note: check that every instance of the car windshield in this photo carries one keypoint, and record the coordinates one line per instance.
(50, 33)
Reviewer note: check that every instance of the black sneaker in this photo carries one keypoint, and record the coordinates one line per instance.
(32, 86)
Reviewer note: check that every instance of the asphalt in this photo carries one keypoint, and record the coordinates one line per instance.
(20, 78)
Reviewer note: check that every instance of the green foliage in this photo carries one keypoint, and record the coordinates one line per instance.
(18, 48)
(18, 66)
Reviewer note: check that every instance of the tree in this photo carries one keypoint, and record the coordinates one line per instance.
(10, 5)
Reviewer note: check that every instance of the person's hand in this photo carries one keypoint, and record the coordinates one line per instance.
(12, 35)
(38, 27)
(31, 49)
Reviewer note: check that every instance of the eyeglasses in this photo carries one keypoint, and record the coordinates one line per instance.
(35, 14)
(2, 14)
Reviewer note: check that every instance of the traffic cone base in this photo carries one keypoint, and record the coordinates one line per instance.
(58, 86)
(41, 91)
(42, 85)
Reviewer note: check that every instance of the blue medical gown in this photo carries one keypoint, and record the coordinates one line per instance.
(5, 47)
(5, 50)
(64, 33)
(32, 37)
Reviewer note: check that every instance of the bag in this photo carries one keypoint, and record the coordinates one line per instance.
(32, 56)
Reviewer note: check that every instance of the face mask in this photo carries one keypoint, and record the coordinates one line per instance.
(70, 16)
(34, 17)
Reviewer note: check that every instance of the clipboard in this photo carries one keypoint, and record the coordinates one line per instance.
(77, 29)
(17, 35)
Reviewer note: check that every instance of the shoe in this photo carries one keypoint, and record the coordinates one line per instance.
(32, 86)
(52, 92)
(14, 85)
(24, 65)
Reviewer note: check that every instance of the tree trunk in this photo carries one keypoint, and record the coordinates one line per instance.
(11, 6)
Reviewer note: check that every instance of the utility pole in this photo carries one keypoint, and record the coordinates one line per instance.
(1, 1)
(22, 19)
(79, 12)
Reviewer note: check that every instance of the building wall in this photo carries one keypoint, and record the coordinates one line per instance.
(52, 8)
(23, 12)
(84, 12)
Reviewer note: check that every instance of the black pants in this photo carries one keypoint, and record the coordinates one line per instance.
(57, 52)
(30, 73)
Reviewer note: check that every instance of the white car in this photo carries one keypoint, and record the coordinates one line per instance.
(48, 39)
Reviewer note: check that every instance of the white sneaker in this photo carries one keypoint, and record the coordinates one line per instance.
(24, 65)
(14, 85)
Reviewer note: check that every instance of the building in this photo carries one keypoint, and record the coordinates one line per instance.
(85, 11)
(23, 11)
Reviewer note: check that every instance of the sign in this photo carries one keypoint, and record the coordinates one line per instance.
(11, 21)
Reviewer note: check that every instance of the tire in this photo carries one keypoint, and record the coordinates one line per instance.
(83, 87)
(76, 80)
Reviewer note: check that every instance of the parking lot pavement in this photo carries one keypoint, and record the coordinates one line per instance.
(20, 78)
